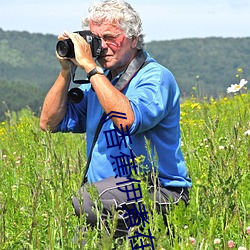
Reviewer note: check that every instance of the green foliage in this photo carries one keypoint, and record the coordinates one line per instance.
(28, 68)
(40, 172)
(208, 62)
(203, 67)
(36, 184)
(28, 58)
(14, 95)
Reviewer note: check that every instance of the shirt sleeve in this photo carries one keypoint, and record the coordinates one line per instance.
(154, 96)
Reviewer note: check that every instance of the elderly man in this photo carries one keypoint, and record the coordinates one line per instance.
(144, 97)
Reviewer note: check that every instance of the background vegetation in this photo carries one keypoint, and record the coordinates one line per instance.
(40, 172)
(28, 66)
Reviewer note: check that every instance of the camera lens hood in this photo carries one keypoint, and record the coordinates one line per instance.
(65, 48)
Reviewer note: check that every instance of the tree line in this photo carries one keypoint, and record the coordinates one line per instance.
(202, 67)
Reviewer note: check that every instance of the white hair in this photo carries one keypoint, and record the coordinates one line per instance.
(120, 13)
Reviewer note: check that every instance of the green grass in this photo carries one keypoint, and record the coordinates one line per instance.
(40, 172)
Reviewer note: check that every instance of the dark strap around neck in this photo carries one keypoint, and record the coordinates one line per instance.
(131, 70)
(136, 64)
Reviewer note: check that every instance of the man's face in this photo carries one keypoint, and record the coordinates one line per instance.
(118, 50)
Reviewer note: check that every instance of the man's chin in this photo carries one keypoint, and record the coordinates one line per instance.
(105, 63)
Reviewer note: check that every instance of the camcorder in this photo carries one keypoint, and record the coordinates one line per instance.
(65, 48)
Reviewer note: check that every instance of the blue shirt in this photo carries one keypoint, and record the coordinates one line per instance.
(154, 97)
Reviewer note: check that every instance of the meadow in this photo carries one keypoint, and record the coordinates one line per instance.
(40, 172)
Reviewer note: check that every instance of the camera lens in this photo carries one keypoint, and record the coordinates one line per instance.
(75, 95)
(65, 48)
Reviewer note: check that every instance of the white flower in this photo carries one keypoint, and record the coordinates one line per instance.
(246, 133)
(22, 210)
(237, 87)
(242, 248)
(217, 241)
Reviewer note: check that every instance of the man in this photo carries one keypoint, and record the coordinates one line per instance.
(141, 93)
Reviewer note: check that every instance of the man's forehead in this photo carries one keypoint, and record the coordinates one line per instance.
(104, 27)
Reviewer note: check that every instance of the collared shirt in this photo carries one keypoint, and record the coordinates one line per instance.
(154, 97)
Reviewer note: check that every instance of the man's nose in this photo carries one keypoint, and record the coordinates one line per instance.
(104, 44)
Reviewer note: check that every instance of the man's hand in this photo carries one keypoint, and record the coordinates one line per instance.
(66, 63)
(83, 54)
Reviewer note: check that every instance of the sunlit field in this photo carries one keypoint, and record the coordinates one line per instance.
(40, 172)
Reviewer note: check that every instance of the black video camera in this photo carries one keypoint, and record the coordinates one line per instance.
(65, 48)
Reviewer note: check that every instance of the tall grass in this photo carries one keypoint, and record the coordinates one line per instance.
(40, 172)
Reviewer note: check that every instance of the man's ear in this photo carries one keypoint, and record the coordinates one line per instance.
(134, 42)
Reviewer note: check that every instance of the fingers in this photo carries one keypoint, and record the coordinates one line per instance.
(67, 35)
(63, 36)
(82, 49)
(70, 35)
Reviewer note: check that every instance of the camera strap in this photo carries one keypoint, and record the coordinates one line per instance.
(136, 64)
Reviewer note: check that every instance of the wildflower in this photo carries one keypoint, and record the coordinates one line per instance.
(216, 241)
(242, 248)
(195, 106)
(248, 230)
(14, 188)
(247, 133)
(240, 70)
(192, 240)
(221, 147)
(237, 87)
(230, 244)
(198, 182)
(45, 216)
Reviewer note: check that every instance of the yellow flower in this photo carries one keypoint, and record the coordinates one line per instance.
(195, 105)
(240, 70)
